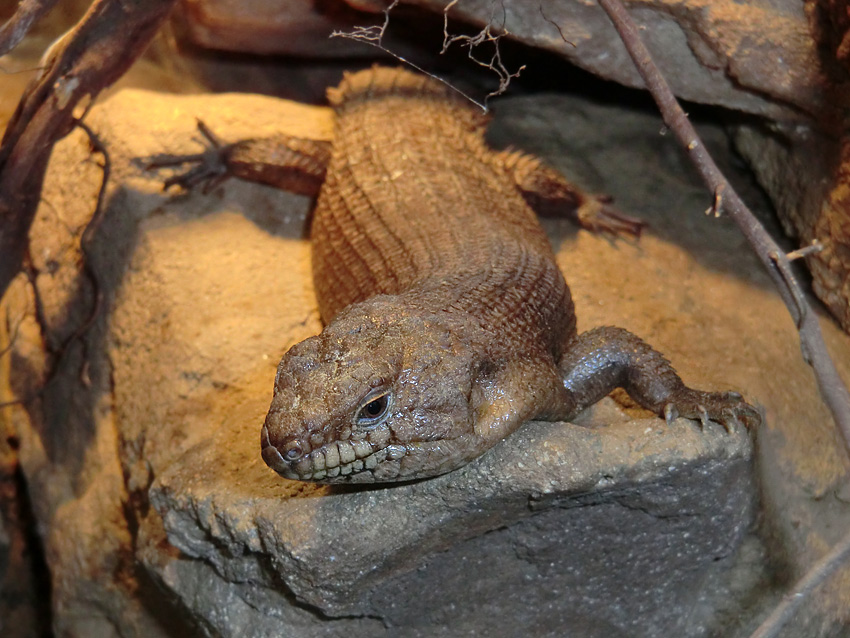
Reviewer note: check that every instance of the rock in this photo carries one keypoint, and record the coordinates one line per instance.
(143, 466)
(758, 57)
(754, 57)
(288, 27)
(805, 168)
(576, 541)
(806, 174)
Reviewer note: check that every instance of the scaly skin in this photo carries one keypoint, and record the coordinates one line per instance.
(448, 321)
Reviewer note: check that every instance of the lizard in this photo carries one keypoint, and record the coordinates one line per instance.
(447, 321)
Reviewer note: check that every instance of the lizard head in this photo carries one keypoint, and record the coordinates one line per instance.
(385, 393)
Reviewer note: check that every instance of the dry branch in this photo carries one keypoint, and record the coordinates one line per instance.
(832, 389)
(791, 601)
(16, 27)
(107, 40)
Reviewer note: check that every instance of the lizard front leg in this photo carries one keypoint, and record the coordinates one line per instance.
(294, 164)
(603, 359)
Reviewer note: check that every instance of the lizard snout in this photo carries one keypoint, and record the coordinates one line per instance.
(281, 458)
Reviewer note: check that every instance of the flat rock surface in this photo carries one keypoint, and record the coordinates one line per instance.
(614, 525)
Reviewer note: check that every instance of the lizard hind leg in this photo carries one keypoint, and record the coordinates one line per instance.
(603, 359)
(549, 193)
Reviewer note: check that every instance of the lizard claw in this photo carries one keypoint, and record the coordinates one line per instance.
(727, 408)
(597, 214)
(703, 416)
(210, 167)
(732, 424)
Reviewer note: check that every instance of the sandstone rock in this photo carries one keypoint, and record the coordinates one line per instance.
(160, 518)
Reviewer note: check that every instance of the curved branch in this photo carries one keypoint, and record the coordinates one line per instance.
(822, 570)
(832, 389)
(107, 40)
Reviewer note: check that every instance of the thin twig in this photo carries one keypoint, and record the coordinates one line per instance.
(91, 228)
(60, 353)
(832, 389)
(13, 336)
(805, 251)
(557, 26)
(791, 601)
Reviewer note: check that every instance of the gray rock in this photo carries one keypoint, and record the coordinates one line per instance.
(607, 528)
(757, 56)
(751, 56)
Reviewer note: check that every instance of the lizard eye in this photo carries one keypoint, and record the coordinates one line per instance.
(373, 409)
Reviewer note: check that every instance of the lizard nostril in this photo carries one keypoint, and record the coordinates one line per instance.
(293, 451)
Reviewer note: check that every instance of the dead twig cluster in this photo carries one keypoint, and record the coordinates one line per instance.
(489, 36)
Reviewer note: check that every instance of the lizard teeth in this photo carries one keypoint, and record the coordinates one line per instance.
(346, 452)
(318, 460)
(362, 449)
(332, 459)
(338, 459)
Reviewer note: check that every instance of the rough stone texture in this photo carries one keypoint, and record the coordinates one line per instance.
(805, 168)
(752, 56)
(807, 174)
(756, 56)
(615, 513)
(160, 520)
(288, 27)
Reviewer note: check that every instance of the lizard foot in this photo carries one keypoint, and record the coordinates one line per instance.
(727, 408)
(210, 167)
(597, 214)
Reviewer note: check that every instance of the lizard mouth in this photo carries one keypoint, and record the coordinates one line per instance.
(337, 461)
